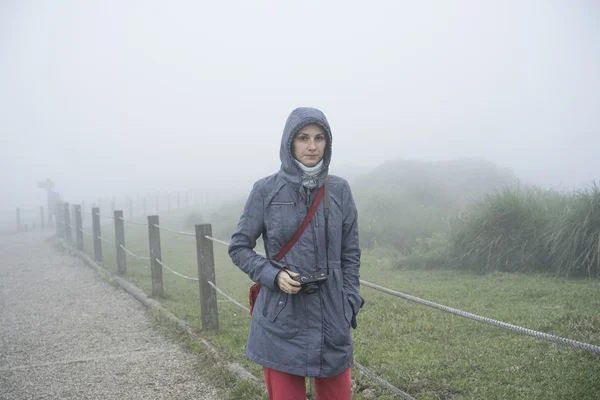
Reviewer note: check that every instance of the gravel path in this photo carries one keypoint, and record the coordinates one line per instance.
(66, 334)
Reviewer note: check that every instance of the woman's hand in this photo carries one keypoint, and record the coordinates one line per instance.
(286, 283)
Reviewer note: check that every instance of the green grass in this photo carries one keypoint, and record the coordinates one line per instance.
(428, 353)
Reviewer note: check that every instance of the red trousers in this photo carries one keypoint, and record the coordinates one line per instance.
(284, 386)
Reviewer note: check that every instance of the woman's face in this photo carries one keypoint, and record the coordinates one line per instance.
(308, 145)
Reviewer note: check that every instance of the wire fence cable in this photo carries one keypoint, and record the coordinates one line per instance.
(132, 222)
(132, 254)
(474, 317)
(227, 244)
(228, 297)
(364, 370)
(104, 216)
(490, 321)
(86, 233)
(105, 240)
(175, 231)
(177, 273)
(383, 382)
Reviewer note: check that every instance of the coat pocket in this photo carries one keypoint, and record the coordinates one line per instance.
(280, 217)
(275, 303)
(348, 311)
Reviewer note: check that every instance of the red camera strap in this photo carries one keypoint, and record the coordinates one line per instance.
(255, 289)
(300, 231)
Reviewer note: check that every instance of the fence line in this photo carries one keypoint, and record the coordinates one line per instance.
(86, 233)
(133, 222)
(133, 254)
(383, 382)
(490, 321)
(231, 299)
(104, 216)
(105, 240)
(364, 370)
(175, 231)
(177, 273)
(209, 312)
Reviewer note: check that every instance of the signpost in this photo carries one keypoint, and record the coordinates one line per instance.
(48, 185)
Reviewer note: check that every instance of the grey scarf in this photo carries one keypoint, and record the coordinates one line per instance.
(310, 175)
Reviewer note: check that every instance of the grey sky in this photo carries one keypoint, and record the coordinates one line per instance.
(118, 97)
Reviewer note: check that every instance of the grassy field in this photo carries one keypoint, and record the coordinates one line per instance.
(427, 353)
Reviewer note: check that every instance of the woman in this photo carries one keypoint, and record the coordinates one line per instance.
(295, 333)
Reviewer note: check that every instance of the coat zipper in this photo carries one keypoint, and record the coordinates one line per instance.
(314, 232)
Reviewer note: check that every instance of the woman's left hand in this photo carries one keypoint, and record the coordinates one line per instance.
(286, 283)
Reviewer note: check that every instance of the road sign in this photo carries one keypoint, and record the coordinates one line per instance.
(48, 184)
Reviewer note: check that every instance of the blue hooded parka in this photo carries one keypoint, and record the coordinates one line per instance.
(301, 334)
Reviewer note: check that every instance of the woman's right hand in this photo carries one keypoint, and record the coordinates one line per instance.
(286, 283)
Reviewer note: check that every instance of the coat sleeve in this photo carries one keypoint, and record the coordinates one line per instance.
(350, 255)
(243, 241)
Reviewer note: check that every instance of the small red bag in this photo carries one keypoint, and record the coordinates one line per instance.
(253, 295)
(255, 289)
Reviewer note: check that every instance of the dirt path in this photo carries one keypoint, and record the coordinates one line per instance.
(66, 334)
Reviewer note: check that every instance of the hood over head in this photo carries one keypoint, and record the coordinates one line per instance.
(297, 120)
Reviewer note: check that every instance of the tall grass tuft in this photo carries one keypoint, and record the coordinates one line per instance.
(574, 241)
(505, 232)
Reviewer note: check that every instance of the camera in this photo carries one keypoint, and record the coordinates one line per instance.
(310, 283)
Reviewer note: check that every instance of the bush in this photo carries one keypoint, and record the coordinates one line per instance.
(504, 232)
(191, 220)
(432, 252)
(574, 241)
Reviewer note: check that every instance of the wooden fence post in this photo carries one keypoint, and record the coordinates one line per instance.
(96, 232)
(120, 241)
(155, 254)
(206, 273)
(67, 222)
(57, 220)
(42, 216)
(78, 227)
(18, 220)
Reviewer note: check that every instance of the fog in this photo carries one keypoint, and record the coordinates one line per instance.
(112, 98)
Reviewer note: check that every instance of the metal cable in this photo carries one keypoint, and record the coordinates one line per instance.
(364, 370)
(227, 244)
(490, 321)
(132, 222)
(216, 240)
(133, 254)
(85, 233)
(174, 231)
(104, 240)
(228, 298)
(177, 273)
(104, 216)
(383, 382)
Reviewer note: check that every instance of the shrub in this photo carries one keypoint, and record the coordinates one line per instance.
(504, 232)
(573, 242)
